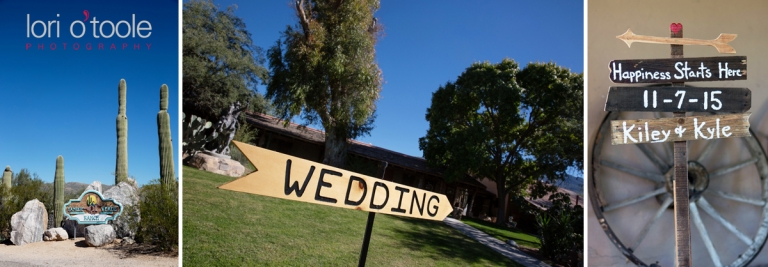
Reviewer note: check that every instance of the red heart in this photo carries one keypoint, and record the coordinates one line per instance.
(675, 27)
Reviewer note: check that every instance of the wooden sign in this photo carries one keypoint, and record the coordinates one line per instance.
(668, 70)
(679, 129)
(288, 177)
(92, 208)
(678, 99)
(720, 43)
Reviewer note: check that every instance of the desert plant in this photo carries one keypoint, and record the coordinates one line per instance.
(159, 223)
(121, 166)
(167, 175)
(58, 192)
(195, 134)
(560, 228)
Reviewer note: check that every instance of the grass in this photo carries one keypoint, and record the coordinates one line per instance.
(227, 228)
(504, 233)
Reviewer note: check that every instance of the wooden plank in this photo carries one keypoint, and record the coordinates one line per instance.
(680, 184)
(679, 129)
(679, 99)
(720, 43)
(666, 70)
(288, 177)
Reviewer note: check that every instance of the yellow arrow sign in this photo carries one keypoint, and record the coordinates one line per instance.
(288, 177)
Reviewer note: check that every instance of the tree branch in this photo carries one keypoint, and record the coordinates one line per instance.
(303, 18)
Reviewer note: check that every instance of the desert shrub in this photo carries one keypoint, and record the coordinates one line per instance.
(159, 210)
(561, 230)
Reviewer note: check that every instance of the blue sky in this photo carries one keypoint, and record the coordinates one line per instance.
(428, 43)
(64, 101)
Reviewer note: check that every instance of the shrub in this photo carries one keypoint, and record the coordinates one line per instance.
(560, 228)
(159, 223)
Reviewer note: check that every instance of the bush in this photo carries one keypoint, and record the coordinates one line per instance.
(560, 228)
(159, 223)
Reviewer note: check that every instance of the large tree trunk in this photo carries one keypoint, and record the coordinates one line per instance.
(335, 148)
(501, 190)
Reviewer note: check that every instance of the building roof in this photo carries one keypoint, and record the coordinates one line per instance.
(544, 203)
(358, 148)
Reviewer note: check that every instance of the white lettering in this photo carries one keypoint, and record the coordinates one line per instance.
(626, 132)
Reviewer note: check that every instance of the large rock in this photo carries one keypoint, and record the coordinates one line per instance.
(126, 193)
(55, 234)
(96, 186)
(217, 164)
(29, 224)
(99, 235)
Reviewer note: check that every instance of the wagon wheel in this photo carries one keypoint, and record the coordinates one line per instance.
(631, 195)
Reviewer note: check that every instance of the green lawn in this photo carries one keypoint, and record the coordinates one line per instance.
(504, 233)
(227, 228)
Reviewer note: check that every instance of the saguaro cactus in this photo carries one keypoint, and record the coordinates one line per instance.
(121, 167)
(7, 176)
(167, 174)
(58, 192)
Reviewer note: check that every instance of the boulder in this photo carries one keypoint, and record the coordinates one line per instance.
(71, 225)
(512, 243)
(29, 224)
(127, 241)
(55, 234)
(99, 235)
(126, 193)
(96, 186)
(218, 164)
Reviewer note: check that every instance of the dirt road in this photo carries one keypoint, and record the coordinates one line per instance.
(75, 253)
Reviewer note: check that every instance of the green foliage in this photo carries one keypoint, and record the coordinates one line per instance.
(220, 61)
(560, 228)
(121, 165)
(58, 192)
(509, 125)
(324, 70)
(159, 223)
(247, 134)
(26, 187)
(237, 155)
(165, 146)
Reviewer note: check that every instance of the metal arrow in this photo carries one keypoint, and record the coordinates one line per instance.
(720, 43)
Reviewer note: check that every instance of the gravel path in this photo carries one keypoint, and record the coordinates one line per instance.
(73, 253)
(495, 244)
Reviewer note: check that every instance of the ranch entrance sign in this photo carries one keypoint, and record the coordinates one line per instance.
(92, 208)
(287, 177)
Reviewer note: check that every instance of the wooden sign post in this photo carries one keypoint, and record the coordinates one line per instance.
(288, 177)
(678, 100)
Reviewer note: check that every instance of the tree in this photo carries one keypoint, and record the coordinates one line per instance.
(511, 126)
(324, 70)
(221, 64)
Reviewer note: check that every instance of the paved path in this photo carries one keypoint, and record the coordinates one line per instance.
(495, 244)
